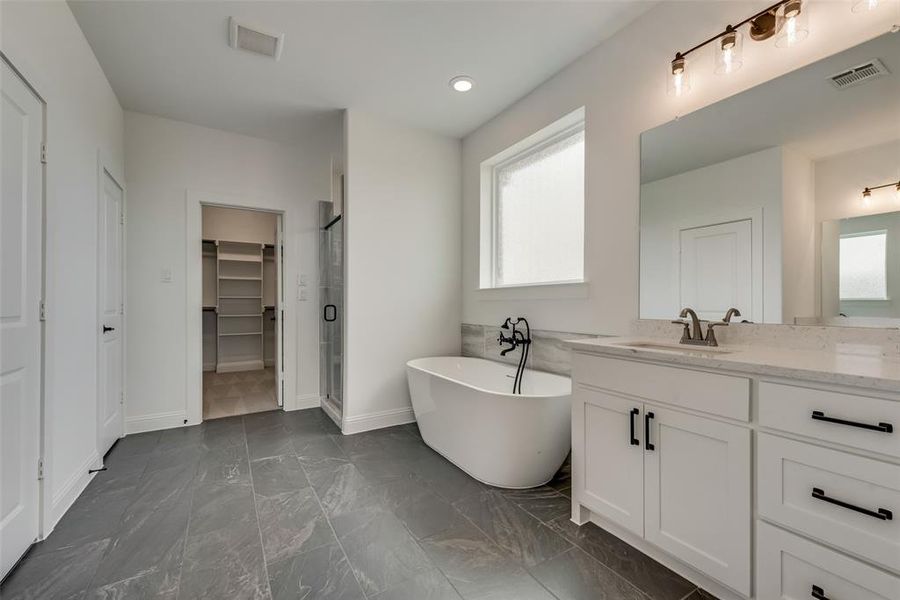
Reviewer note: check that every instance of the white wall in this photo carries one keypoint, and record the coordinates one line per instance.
(166, 160)
(706, 196)
(622, 85)
(402, 252)
(798, 239)
(238, 225)
(43, 41)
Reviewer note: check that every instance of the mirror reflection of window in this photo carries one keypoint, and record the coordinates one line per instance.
(863, 266)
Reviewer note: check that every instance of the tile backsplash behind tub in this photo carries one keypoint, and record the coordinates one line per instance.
(548, 352)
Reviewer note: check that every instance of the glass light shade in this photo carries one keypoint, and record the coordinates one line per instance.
(793, 24)
(864, 5)
(867, 197)
(678, 81)
(729, 52)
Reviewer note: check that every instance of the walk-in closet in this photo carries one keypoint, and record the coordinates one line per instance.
(241, 312)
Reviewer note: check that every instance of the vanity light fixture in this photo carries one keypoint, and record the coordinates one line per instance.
(864, 6)
(788, 19)
(867, 192)
(462, 83)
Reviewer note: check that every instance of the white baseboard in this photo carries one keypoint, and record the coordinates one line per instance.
(270, 362)
(167, 420)
(332, 411)
(62, 501)
(378, 420)
(209, 366)
(307, 401)
(239, 365)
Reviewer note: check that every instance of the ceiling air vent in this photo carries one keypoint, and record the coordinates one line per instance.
(253, 39)
(857, 75)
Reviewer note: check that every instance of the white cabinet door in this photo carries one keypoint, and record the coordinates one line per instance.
(612, 462)
(716, 269)
(21, 181)
(697, 493)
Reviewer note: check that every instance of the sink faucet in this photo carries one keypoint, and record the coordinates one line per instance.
(695, 336)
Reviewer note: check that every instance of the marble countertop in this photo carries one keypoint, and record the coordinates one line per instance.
(857, 370)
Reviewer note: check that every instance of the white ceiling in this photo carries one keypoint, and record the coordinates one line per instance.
(393, 59)
(801, 110)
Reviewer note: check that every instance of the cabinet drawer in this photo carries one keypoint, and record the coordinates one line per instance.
(845, 500)
(857, 421)
(788, 566)
(711, 393)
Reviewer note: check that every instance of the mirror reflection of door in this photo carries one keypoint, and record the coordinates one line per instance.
(716, 268)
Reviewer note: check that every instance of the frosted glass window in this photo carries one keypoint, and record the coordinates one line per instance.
(539, 214)
(863, 273)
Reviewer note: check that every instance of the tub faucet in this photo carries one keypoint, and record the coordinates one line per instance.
(515, 339)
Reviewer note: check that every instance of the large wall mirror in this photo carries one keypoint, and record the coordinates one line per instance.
(757, 202)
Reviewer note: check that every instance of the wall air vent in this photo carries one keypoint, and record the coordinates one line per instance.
(860, 74)
(252, 39)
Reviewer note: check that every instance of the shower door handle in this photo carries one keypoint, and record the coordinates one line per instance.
(333, 313)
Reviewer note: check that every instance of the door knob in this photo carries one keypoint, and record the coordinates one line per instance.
(107, 329)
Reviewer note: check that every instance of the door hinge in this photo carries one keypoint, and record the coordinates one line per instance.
(122, 218)
(43, 154)
(40, 469)
(42, 309)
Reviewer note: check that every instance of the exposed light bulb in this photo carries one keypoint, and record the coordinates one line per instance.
(679, 82)
(729, 52)
(864, 6)
(794, 28)
(867, 197)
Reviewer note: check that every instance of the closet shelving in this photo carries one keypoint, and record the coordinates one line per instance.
(239, 306)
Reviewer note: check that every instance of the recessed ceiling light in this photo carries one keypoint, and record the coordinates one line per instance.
(462, 83)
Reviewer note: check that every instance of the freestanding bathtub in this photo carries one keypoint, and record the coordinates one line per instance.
(467, 413)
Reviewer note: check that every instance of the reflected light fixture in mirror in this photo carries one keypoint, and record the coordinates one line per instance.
(867, 192)
(729, 51)
(794, 24)
(864, 5)
(679, 80)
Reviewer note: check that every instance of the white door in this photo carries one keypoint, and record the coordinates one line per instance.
(21, 274)
(613, 463)
(279, 310)
(697, 493)
(716, 268)
(111, 309)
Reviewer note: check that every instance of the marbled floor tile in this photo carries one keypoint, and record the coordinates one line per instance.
(320, 574)
(700, 594)
(445, 479)
(427, 514)
(134, 444)
(177, 456)
(219, 433)
(292, 523)
(225, 563)
(155, 584)
(513, 584)
(341, 489)
(223, 465)
(278, 475)
(563, 478)
(654, 579)
(574, 575)
(123, 473)
(274, 441)
(525, 538)
(430, 585)
(261, 421)
(61, 575)
(319, 453)
(221, 506)
(382, 553)
(543, 503)
(464, 553)
(92, 517)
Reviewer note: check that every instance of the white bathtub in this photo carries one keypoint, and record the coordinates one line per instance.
(467, 413)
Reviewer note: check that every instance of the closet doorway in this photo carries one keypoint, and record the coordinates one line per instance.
(242, 311)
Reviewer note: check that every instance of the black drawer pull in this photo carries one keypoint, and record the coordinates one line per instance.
(818, 593)
(818, 415)
(329, 313)
(634, 412)
(647, 417)
(882, 514)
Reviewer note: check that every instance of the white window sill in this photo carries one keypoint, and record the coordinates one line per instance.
(542, 291)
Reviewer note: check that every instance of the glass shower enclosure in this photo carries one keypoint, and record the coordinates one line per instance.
(331, 298)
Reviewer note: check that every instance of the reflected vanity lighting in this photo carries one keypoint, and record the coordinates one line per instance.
(867, 192)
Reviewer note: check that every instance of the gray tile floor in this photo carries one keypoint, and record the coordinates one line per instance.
(280, 505)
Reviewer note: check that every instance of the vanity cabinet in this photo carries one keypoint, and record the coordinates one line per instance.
(704, 469)
(679, 480)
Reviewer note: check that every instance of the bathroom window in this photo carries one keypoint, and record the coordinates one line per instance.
(533, 209)
(863, 266)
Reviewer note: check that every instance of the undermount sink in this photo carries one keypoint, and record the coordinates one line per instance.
(677, 348)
